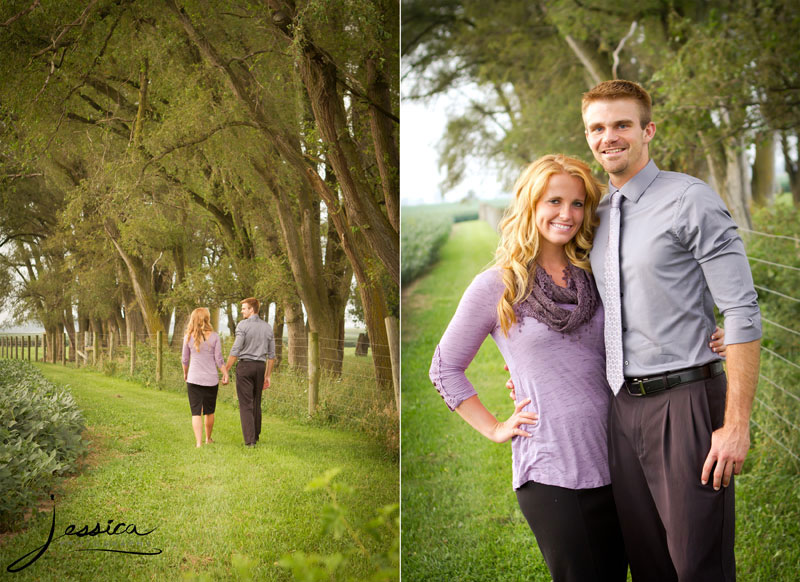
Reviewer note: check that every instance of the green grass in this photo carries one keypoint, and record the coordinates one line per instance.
(206, 503)
(460, 516)
(351, 401)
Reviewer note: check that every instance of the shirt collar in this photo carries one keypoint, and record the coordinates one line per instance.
(635, 187)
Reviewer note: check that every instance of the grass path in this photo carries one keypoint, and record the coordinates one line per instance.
(206, 503)
(460, 517)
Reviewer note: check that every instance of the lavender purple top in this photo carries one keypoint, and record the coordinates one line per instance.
(204, 362)
(563, 374)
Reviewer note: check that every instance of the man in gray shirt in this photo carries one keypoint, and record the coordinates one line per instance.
(254, 347)
(674, 422)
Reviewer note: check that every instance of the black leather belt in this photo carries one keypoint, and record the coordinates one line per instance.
(667, 380)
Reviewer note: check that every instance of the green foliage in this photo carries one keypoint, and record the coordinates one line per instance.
(383, 529)
(775, 411)
(421, 239)
(40, 438)
(207, 504)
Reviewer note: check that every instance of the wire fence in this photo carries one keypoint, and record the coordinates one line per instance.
(330, 381)
(776, 415)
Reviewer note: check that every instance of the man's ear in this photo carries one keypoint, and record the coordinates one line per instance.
(649, 132)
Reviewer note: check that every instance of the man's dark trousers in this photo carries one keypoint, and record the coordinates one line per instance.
(675, 529)
(249, 383)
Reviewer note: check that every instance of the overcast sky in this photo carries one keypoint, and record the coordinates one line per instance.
(422, 126)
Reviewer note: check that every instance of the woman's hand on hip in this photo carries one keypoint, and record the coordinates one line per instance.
(512, 427)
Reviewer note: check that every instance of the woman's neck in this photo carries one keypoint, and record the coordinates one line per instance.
(554, 263)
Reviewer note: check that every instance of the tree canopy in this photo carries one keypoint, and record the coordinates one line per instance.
(153, 160)
(723, 76)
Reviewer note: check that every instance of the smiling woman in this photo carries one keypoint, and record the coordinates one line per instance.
(541, 307)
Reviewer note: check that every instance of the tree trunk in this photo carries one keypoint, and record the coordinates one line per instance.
(142, 285)
(383, 137)
(792, 164)
(764, 171)
(214, 311)
(69, 326)
(298, 341)
(729, 172)
(277, 329)
(232, 320)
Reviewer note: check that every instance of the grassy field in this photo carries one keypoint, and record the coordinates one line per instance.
(460, 516)
(206, 504)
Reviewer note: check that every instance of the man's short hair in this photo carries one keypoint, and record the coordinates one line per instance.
(252, 302)
(621, 89)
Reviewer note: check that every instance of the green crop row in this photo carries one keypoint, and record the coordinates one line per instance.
(421, 238)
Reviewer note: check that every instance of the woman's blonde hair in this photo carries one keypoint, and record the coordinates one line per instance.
(199, 326)
(520, 239)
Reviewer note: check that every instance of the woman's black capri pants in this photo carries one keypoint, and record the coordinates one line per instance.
(202, 399)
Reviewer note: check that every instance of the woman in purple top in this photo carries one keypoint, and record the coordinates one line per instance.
(540, 305)
(202, 355)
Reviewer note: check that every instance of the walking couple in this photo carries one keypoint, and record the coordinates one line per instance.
(254, 348)
(623, 412)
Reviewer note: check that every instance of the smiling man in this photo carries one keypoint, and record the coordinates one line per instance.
(675, 422)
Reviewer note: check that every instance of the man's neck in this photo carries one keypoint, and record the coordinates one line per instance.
(618, 183)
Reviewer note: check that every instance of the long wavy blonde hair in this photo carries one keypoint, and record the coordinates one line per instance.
(199, 326)
(520, 240)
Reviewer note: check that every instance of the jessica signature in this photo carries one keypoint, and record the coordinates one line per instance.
(73, 530)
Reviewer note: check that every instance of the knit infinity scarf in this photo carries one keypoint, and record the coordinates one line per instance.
(544, 296)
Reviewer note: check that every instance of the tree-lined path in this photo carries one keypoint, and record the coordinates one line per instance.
(207, 504)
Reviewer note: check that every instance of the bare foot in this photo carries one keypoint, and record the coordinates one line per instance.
(209, 440)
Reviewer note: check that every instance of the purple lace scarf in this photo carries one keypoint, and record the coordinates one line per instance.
(545, 295)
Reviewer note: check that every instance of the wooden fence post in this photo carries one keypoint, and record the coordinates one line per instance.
(393, 333)
(36, 351)
(44, 347)
(16, 347)
(159, 362)
(29, 348)
(111, 339)
(132, 345)
(94, 348)
(86, 348)
(313, 372)
(64, 349)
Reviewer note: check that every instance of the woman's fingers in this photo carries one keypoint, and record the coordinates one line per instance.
(518, 408)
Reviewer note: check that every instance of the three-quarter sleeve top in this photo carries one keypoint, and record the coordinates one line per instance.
(562, 374)
(203, 363)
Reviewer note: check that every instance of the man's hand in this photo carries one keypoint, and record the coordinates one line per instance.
(510, 386)
(267, 383)
(729, 448)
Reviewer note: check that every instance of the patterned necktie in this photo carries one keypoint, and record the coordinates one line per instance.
(613, 309)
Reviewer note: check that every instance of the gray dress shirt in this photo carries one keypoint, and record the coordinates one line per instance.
(254, 340)
(680, 255)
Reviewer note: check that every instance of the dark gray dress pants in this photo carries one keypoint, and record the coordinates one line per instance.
(249, 382)
(675, 529)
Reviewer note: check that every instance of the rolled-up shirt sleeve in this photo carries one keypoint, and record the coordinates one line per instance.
(709, 232)
(475, 318)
